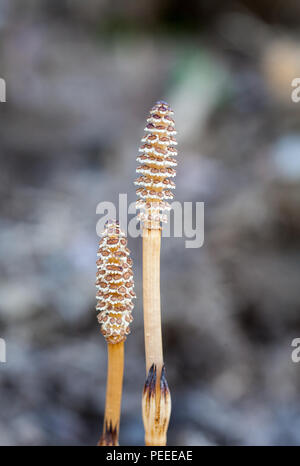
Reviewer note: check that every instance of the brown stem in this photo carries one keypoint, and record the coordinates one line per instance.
(115, 369)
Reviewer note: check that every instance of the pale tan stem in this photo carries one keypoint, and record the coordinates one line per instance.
(156, 403)
(151, 299)
(115, 369)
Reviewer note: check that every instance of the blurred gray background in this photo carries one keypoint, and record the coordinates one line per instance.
(81, 78)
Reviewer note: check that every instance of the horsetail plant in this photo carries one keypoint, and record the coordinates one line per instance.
(114, 301)
(157, 167)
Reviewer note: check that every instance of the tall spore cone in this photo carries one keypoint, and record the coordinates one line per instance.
(115, 284)
(157, 166)
(157, 158)
(114, 301)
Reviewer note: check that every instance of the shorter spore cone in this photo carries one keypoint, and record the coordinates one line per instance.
(114, 284)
